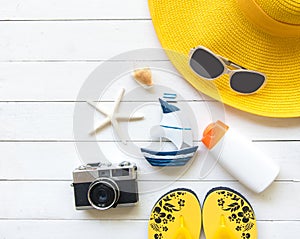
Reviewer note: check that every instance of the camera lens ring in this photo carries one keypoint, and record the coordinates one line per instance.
(108, 183)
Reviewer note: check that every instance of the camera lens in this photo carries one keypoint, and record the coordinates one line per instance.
(103, 193)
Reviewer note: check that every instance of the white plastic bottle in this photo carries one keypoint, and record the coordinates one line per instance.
(239, 157)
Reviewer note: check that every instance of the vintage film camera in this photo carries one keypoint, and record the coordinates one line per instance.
(102, 186)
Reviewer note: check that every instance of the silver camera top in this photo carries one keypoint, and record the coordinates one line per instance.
(89, 172)
(102, 165)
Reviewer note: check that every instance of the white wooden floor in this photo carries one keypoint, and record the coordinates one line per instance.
(47, 50)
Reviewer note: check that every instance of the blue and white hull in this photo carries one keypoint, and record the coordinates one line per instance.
(169, 158)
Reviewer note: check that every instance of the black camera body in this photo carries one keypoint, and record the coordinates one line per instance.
(104, 186)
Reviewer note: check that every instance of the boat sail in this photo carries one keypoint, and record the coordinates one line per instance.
(172, 128)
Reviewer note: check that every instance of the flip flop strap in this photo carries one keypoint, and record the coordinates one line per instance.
(182, 232)
(224, 232)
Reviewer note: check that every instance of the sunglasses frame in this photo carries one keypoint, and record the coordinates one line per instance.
(225, 62)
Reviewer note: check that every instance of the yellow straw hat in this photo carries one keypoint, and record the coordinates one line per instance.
(260, 35)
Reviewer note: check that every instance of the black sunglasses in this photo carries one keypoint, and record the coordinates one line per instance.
(210, 66)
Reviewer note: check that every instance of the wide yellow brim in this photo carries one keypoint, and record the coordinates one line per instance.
(223, 28)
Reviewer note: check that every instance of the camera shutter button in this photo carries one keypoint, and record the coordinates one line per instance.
(124, 163)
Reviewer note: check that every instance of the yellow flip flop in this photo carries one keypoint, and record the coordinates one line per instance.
(228, 215)
(176, 215)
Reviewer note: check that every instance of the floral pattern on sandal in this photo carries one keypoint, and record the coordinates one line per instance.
(240, 213)
(162, 213)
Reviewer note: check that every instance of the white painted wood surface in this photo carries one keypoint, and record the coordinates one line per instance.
(47, 50)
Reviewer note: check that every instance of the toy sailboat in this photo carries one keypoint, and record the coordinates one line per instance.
(171, 127)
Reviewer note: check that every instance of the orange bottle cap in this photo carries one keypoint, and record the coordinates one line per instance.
(213, 133)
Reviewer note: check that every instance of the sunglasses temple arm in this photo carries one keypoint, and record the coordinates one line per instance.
(230, 63)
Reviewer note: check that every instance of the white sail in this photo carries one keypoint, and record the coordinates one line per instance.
(188, 138)
(176, 130)
(172, 120)
(173, 126)
(175, 136)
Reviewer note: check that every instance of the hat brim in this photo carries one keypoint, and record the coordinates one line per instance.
(223, 28)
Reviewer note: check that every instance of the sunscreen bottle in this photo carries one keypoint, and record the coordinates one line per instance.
(239, 157)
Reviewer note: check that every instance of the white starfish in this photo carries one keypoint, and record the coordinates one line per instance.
(113, 117)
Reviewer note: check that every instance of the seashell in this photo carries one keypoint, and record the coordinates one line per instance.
(143, 77)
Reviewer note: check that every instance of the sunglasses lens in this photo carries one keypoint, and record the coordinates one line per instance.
(246, 82)
(206, 64)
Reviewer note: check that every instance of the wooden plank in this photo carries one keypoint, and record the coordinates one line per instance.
(73, 9)
(54, 121)
(62, 229)
(75, 41)
(56, 161)
(43, 81)
(62, 81)
(54, 200)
